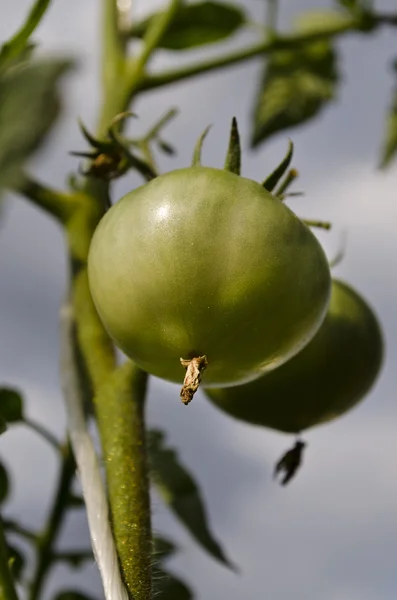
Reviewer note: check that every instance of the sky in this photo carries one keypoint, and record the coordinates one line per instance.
(331, 534)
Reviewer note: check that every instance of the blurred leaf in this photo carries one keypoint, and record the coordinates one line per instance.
(180, 492)
(11, 404)
(296, 86)
(389, 150)
(4, 483)
(71, 595)
(163, 548)
(29, 105)
(17, 44)
(169, 587)
(17, 561)
(3, 425)
(196, 25)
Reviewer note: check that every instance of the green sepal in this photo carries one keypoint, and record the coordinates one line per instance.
(233, 157)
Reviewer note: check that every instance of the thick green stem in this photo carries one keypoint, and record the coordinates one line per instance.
(113, 61)
(7, 588)
(60, 205)
(120, 413)
(46, 541)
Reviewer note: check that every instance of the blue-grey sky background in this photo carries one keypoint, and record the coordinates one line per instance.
(332, 534)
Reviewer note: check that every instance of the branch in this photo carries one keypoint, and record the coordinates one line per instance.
(155, 32)
(44, 433)
(281, 42)
(60, 205)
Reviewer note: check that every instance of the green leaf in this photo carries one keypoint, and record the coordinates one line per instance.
(181, 494)
(29, 105)
(389, 149)
(169, 587)
(196, 25)
(17, 44)
(3, 425)
(297, 84)
(11, 405)
(17, 561)
(4, 483)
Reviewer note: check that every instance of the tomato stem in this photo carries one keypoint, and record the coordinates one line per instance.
(194, 372)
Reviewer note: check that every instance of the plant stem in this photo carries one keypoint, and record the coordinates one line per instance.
(44, 433)
(15, 527)
(86, 460)
(46, 541)
(282, 42)
(113, 61)
(120, 414)
(59, 204)
(271, 16)
(7, 588)
(152, 38)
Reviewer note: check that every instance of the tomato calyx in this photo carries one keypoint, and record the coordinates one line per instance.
(111, 157)
(195, 368)
(290, 462)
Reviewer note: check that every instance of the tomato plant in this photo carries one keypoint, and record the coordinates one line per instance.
(199, 268)
(324, 380)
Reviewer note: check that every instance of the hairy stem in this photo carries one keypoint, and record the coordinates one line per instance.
(46, 541)
(87, 462)
(7, 588)
(120, 414)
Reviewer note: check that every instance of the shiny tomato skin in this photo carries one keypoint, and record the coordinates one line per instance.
(201, 261)
(323, 381)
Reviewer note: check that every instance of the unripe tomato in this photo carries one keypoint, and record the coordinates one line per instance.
(201, 261)
(323, 381)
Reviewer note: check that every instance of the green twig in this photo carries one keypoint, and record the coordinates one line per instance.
(17, 528)
(60, 205)
(155, 32)
(44, 433)
(13, 48)
(282, 42)
(46, 541)
(7, 587)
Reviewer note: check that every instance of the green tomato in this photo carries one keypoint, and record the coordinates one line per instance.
(323, 381)
(201, 261)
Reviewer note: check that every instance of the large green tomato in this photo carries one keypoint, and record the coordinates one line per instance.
(201, 261)
(326, 379)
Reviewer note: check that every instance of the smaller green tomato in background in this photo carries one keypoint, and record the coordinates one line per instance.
(203, 262)
(326, 379)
